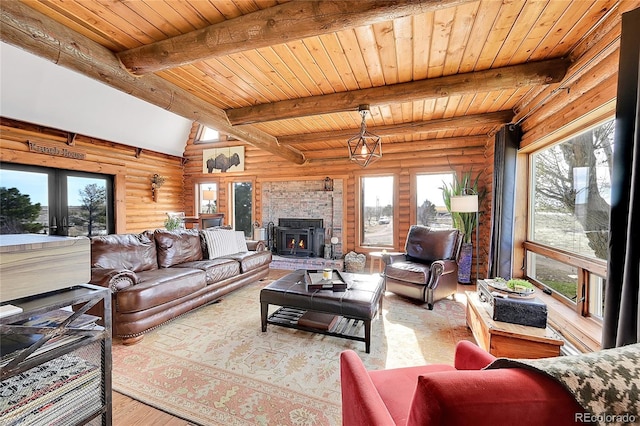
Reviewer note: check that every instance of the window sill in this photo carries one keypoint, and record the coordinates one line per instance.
(584, 333)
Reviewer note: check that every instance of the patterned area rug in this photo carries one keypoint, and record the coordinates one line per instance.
(214, 366)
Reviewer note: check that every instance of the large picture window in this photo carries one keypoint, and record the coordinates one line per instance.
(570, 203)
(430, 208)
(377, 211)
(55, 201)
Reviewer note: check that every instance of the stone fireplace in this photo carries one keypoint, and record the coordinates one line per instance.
(300, 237)
(305, 200)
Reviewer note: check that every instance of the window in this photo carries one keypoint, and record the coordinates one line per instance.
(569, 217)
(377, 211)
(55, 201)
(430, 208)
(206, 134)
(208, 197)
(242, 214)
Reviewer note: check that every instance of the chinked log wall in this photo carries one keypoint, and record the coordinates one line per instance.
(134, 209)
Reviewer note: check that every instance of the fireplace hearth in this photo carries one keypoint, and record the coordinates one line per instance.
(300, 237)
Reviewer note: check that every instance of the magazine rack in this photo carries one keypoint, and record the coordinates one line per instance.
(69, 364)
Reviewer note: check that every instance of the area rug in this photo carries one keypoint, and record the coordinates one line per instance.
(214, 366)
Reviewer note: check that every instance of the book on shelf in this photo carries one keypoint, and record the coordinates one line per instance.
(318, 320)
(11, 345)
(56, 317)
(316, 280)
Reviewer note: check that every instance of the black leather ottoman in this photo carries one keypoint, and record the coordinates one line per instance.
(356, 306)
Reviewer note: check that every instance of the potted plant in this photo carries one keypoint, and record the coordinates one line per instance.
(465, 222)
(172, 223)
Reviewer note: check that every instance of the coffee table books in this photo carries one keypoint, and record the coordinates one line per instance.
(318, 320)
(315, 280)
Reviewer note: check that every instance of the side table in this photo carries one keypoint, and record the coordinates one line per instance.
(503, 339)
(377, 256)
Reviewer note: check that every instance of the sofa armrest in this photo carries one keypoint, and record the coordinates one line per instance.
(510, 396)
(114, 279)
(361, 402)
(254, 245)
(471, 357)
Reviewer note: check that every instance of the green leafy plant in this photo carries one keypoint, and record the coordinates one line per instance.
(173, 223)
(465, 222)
(512, 283)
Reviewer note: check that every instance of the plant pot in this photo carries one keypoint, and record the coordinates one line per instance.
(464, 263)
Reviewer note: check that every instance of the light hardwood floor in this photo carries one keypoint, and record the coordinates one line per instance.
(129, 412)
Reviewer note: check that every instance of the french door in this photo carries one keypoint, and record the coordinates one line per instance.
(71, 203)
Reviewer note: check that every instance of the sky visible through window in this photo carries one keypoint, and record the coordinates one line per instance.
(35, 185)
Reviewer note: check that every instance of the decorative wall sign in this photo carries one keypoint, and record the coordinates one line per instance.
(222, 160)
(55, 150)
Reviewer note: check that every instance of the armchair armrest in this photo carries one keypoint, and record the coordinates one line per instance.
(471, 357)
(114, 279)
(440, 268)
(388, 259)
(361, 402)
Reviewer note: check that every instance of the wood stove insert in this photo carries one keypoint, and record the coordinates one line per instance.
(300, 237)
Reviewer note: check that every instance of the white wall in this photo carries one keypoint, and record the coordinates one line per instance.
(35, 90)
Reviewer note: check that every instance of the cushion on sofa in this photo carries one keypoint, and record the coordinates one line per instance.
(134, 252)
(250, 260)
(175, 247)
(220, 242)
(216, 269)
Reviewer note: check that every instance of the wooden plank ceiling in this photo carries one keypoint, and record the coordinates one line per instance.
(292, 74)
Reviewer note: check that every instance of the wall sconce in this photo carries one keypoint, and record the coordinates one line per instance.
(156, 182)
(328, 184)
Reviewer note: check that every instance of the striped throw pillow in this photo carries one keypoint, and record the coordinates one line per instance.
(241, 242)
(221, 242)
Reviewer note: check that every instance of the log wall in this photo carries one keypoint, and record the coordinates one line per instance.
(471, 153)
(135, 210)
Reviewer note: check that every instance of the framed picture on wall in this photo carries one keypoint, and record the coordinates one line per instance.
(222, 160)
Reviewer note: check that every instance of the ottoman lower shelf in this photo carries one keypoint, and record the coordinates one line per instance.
(346, 328)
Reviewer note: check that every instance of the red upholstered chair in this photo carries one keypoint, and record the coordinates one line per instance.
(462, 394)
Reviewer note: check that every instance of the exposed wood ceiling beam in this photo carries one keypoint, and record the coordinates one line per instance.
(38, 34)
(478, 120)
(533, 73)
(279, 24)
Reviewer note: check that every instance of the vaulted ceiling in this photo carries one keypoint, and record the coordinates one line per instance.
(288, 76)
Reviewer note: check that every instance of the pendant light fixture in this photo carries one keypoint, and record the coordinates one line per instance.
(365, 147)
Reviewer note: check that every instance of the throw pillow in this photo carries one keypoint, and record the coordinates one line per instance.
(241, 242)
(135, 252)
(175, 247)
(220, 242)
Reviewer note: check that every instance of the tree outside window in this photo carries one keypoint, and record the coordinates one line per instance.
(571, 185)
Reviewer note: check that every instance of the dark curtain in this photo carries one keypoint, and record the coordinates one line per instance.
(507, 141)
(621, 313)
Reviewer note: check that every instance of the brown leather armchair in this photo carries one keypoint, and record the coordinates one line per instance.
(428, 270)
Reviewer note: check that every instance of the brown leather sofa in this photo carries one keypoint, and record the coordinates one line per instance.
(428, 270)
(157, 276)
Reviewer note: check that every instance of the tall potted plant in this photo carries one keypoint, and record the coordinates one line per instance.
(465, 222)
